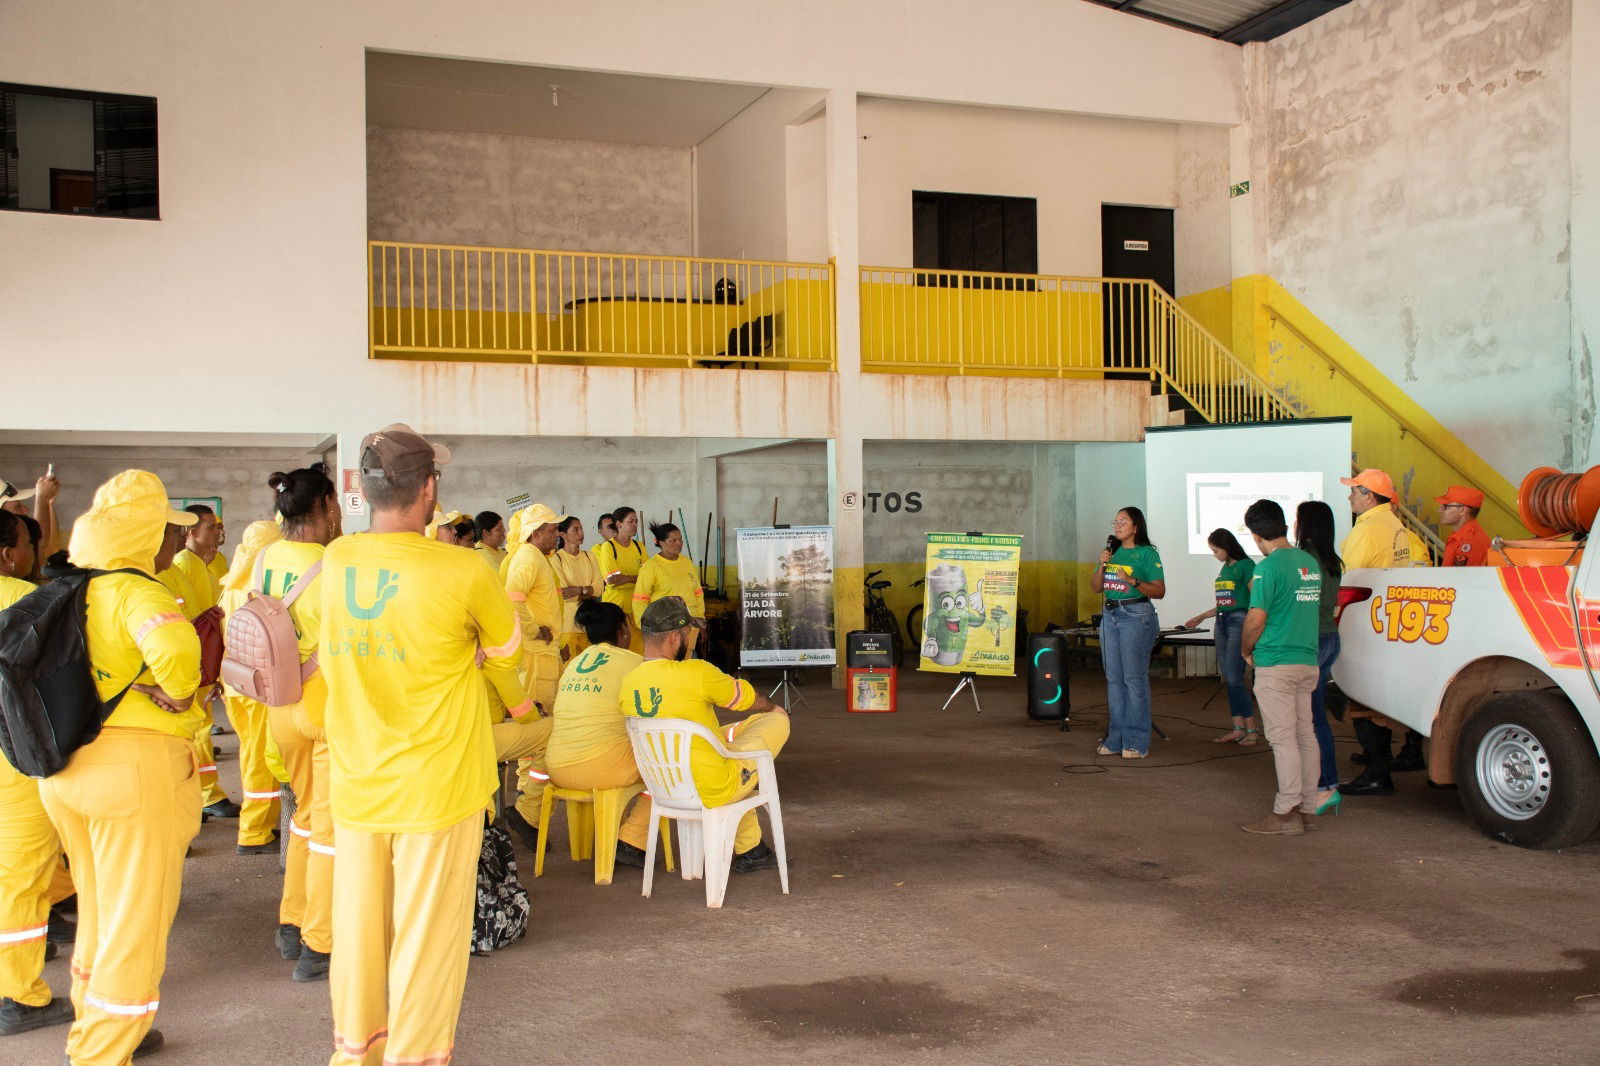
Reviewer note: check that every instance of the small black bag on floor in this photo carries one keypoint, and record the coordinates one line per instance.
(501, 916)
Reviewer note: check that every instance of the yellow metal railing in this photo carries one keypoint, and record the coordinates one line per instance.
(434, 301)
(916, 321)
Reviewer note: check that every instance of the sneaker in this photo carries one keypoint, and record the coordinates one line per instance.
(524, 829)
(270, 847)
(288, 938)
(1101, 749)
(218, 731)
(1287, 825)
(20, 1018)
(313, 965)
(759, 857)
(223, 808)
(1129, 753)
(628, 855)
(152, 1043)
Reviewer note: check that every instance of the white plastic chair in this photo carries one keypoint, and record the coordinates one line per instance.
(661, 748)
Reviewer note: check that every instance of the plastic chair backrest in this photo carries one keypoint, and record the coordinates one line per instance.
(661, 749)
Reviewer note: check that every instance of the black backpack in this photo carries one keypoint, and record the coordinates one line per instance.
(500, 918)
(49, 706)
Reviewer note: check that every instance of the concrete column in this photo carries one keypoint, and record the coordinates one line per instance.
(347, 456)
(1247, 214)
(845, 474)
(1584, 241)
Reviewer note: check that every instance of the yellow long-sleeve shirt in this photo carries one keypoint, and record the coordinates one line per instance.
(202, 582)
(137, 632)
(660, 577)
(1378, 539)
(626, 561)
(531, 583)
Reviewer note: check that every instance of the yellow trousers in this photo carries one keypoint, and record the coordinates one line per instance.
(610, 769)
(403, 903)
(206, 754)
(30, 854)
(307, 899)
(531, 771)
(572, 646)
(541, 673)
(61, 886)
(759, 732)
(126, 807)
(258, 815)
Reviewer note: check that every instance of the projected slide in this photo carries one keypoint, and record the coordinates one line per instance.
(1220, 500)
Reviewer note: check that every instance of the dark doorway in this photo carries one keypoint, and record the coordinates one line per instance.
(1135, 242)
(957, 231)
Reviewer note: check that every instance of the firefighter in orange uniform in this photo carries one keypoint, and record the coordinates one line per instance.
(1458, 511)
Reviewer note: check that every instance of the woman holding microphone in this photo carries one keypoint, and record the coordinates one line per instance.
(1129, 578)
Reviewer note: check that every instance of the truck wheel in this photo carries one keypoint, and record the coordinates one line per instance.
(1528, 771)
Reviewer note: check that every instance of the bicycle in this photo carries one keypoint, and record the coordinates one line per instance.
(914, 623)
(879, 618)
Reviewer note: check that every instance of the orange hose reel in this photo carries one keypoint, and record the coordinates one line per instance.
(1552, 503)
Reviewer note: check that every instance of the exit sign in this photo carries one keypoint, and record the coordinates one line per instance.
(1239, 189)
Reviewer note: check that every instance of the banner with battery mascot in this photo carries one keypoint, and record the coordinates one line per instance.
(970, 604)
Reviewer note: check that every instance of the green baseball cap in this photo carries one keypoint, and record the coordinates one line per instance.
(665, 615)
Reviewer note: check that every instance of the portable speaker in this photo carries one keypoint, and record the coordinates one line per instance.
(1047, 678)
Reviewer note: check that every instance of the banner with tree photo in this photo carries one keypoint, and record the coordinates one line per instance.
(970, 608)
(786, 596)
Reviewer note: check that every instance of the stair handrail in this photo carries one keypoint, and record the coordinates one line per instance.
(1259, 390)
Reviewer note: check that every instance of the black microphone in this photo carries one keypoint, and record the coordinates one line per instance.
(1112, 544)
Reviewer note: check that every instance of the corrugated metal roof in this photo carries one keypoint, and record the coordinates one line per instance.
(1237, 21)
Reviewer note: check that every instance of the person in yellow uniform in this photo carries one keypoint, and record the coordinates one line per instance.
(514, 538)
(258, 816)
(1378, 539)
(405, 621)
(491, 537)
(309, 507)
(194, 599)
(605, 528)
(127, 804)
(194, 561)
(534, 590)
(669, 573)
(578, 577)
(669, 685)
(589, 746)
(30, 851)
(218, 565)
(620, 557)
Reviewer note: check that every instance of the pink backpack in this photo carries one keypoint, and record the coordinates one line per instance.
(263, 660)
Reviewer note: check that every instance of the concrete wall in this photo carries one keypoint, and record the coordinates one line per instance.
(1202, 228)
(1418, 200)
(1070, 164)
(741, 180)
(443, 187)
(52, 131)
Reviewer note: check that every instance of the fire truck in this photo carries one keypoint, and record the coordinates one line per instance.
(1495, 665)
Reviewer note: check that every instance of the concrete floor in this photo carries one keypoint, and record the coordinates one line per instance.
(973, 888)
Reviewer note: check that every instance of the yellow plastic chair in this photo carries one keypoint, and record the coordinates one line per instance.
(593, 818)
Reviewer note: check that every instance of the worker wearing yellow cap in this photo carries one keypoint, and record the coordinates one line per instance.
(1458, 511)
(128, 803)
(405, 620)
(535, 591)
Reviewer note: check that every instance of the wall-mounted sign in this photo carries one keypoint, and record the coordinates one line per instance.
(895, 502)
(355, 503)
(850, 501)
(350, 491)
(1135, 246)
(1238, 189)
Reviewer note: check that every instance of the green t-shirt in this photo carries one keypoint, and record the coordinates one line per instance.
(1138, 563)
(1233, 586)
(1288, 586)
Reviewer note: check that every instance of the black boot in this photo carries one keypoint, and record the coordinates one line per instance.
(1374, 780)
(1410, 756)
(20, 1018)
(1368, 784)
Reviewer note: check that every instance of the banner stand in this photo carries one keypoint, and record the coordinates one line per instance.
(788, 688)
(968, 680)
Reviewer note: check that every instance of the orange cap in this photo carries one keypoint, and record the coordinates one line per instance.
(1467, 497)
(1374, 481)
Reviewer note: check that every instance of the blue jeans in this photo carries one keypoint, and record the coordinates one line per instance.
(1126, 636)
(1229, 635)
(1327, 652)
